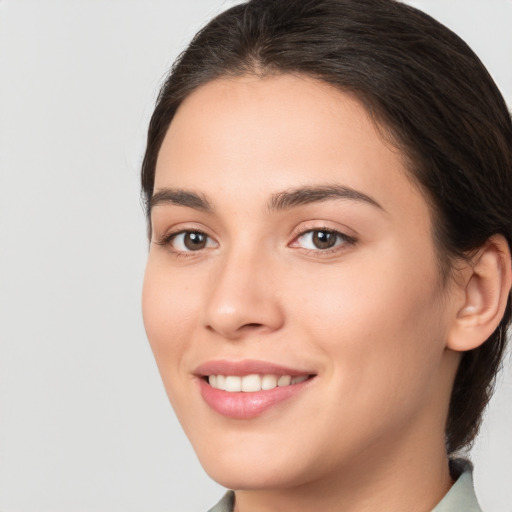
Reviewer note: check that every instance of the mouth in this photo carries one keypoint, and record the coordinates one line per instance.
(245, 390)
(253, 382)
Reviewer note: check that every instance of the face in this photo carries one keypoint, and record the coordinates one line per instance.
(292, 297)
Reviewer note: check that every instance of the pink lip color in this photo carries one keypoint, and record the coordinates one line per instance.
(246, 367)
(242, 405)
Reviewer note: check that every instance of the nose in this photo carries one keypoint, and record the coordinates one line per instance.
(244, 296)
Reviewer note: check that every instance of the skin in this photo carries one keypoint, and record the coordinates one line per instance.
(370, 317)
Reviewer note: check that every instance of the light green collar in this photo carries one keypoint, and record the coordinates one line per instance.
(461, 497)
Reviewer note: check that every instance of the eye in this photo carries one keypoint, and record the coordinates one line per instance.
(187, 241)
(322, 239)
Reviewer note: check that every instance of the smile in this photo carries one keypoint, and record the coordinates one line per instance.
(244, 390)
(253, 383)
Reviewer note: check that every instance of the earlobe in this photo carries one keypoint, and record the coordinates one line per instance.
(487, 288)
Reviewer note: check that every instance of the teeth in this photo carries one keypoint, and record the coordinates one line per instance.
(284, 380)
(233, 383)
(253, 382)
(268, 382)
(220, 382)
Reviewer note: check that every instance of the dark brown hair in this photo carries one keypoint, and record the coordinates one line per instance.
(422, 84)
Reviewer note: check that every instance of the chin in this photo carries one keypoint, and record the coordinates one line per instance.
(250, 465)
(264, 474)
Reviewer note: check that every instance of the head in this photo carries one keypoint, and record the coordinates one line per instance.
(429, 99)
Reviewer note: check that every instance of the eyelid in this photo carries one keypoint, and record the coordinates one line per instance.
(170, 235)
(167, 228)
(348, 240)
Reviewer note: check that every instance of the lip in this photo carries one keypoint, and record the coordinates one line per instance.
(243, 405)
(246, 367)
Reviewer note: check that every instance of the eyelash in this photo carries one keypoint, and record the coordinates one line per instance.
(345, 240)
(341, 240)
(168, 239)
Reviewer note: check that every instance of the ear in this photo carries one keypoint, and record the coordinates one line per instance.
(486, 286)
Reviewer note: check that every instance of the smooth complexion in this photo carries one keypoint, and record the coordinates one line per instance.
(253, 176)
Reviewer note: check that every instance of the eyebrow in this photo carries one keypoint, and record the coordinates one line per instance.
(306, 195)
(179, 197)
(285, 200)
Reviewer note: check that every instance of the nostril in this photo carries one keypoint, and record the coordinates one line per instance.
(253, 325)
(243, 328)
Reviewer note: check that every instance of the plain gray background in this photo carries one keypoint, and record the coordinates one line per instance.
(84, 421)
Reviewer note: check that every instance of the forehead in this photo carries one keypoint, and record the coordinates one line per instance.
(257, 115)
(262, 135)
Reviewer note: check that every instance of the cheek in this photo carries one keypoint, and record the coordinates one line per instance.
(169, 313)
(170, 317)
(374, 323)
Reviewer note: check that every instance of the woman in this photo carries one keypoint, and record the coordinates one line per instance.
(327, 292)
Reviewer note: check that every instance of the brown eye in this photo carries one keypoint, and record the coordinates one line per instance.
(324, 239)
(194, 241)
(187, 241)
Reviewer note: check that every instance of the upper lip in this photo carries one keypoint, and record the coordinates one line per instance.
(246, 367)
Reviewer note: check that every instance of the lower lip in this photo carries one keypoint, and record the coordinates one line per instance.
(245, 406)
